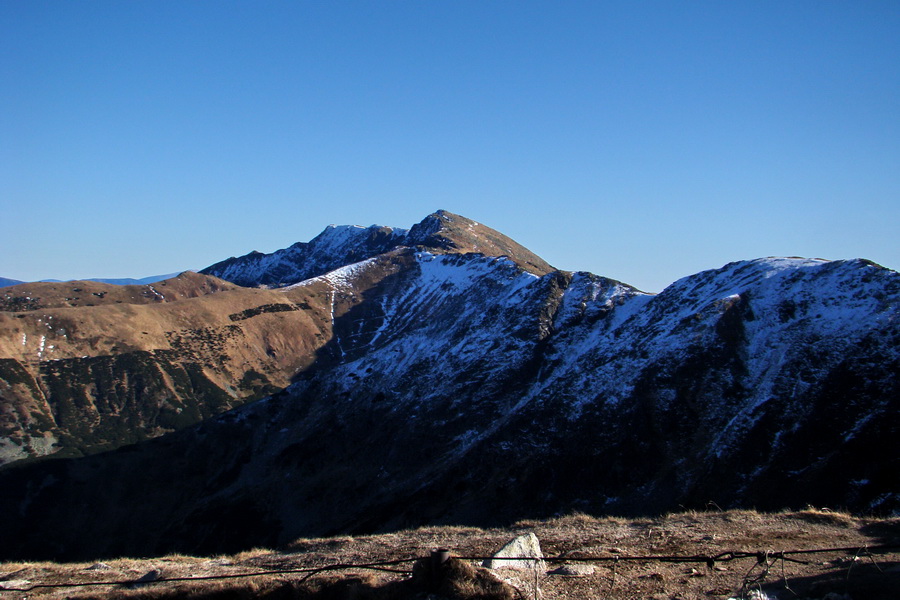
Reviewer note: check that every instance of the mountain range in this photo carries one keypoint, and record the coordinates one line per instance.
(6, 282)
(380, 378)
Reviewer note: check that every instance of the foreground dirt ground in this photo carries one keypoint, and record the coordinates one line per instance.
(586, 557)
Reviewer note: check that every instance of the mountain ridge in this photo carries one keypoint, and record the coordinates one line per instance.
(5, 282)
(443, 385)
(337, 246)
(195, 364)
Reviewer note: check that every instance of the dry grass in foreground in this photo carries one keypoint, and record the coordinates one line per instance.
(862, 573)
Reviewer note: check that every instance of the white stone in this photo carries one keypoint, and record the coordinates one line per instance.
(577, 570)
(14, 584)
(512, 555)
(758, 595)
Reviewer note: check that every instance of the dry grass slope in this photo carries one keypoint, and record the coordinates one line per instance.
(866, 571)
(455, 580)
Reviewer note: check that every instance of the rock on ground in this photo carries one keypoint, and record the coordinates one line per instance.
(522, 552)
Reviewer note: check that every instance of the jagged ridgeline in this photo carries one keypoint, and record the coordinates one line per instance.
(377, 378)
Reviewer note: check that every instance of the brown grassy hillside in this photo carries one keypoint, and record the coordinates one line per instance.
(87, 366)
(587, 557)
(70, 294)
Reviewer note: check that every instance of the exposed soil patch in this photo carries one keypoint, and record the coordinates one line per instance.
(586, 557)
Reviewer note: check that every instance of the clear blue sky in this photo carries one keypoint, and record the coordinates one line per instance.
(643, 141)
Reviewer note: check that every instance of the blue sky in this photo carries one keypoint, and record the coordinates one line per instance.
(643, 141)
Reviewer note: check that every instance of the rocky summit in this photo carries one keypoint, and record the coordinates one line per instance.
(378, 378)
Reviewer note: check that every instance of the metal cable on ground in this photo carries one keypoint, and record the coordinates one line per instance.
(708, 560)
(309, 571)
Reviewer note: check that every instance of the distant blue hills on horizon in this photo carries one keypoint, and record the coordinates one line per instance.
(6, 282)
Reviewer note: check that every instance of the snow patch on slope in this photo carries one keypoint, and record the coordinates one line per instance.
(337, 245)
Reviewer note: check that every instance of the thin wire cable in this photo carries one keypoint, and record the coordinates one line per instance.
(309, 571)
(726, 556)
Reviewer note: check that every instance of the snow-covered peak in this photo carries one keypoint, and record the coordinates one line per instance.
(336, 246)
(338, 236)
(340, 245)
(828, 293)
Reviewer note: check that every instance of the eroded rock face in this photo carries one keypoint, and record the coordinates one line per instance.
(462, 388)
